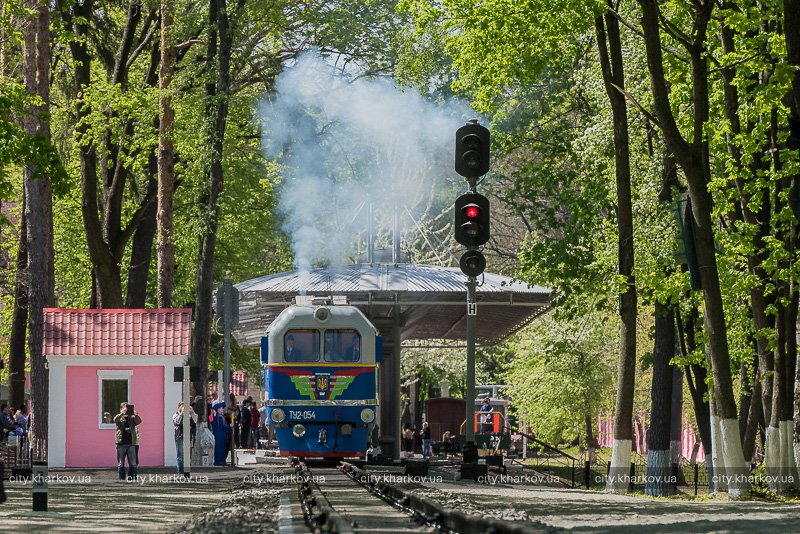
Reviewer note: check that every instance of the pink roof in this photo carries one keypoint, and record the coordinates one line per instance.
(117, 332)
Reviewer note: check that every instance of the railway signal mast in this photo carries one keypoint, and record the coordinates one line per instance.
(471, 230)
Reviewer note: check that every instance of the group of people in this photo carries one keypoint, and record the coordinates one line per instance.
(17, 424)
(127, 437)
(447, 446)
(409, 433)
(247, 423)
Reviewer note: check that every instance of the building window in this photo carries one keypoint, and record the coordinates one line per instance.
(114, 388)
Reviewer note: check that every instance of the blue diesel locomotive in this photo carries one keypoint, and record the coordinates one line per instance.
(321, 370)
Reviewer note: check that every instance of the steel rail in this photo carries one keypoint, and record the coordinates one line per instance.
(432, 513)
(319, 514)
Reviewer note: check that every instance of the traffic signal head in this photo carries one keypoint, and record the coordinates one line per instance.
(472, 263)
(472, 219)
(472, 150)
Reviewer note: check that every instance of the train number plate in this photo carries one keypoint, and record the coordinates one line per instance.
(302, 414)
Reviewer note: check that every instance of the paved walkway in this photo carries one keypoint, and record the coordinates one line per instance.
(593, 511)
(93, 500)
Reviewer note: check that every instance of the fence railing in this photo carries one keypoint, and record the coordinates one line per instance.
(16, 455)
(555, 463)
(592, 473)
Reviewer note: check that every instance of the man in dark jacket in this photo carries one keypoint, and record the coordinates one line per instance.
(125, 438)
(246, 417)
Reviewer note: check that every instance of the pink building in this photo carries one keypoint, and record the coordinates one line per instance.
(100, 358)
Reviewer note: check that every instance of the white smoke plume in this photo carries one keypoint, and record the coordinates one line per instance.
(345, 142)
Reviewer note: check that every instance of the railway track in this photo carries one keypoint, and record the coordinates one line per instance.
(346, 499)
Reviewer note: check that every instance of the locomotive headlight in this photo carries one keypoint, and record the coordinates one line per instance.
(322, 314)
(367, 415)
(347, 429)
(277, 415)
(299, 430)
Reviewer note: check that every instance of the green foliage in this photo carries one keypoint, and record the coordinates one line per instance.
(18, 148)
(561, 372)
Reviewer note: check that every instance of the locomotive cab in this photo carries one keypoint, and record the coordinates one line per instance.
(321, 364)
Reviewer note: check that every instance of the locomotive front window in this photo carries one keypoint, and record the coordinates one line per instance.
(301, 346)
(342, 346)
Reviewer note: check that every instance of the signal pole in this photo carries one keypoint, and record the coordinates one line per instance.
(472, 311)
(471, 230)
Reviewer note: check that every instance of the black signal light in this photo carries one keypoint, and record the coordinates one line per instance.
(472, 219)
(472, 263)
(472, 150)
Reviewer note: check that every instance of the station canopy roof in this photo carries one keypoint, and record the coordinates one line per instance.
(431, 301)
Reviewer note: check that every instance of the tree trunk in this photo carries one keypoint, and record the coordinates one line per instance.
(692, 156)
(39, 215)
(791, 27)
(107, 283)
(658, 437)
(676, 425)
(19, 319)
(166, 169)
(761, 221)
(216, 119)
(142, 249)
(106, 236)
(754, 417)
(745, 399)
(696, 381)
(607, 29)
(591, 440)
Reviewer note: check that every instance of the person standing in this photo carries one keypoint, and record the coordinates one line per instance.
(487, 416)
(255, 420)
(263, 427)
(408, 442)
(447, 443)
(125, 438)
(234, 415)
(177, 420)
(221, 430)
(245, 419)
(426, 440)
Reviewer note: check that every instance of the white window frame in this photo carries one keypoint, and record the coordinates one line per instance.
(110, 374)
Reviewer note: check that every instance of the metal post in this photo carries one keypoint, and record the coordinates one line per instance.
(371, 236)
(471, 313)
(227, 289)
(396, 236)
(587, 476)
(573, 474)
(396, 354)
(227, 319)
(187, 429)
(39, 489)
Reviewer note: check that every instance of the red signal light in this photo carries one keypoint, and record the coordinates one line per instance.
(471, 212)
